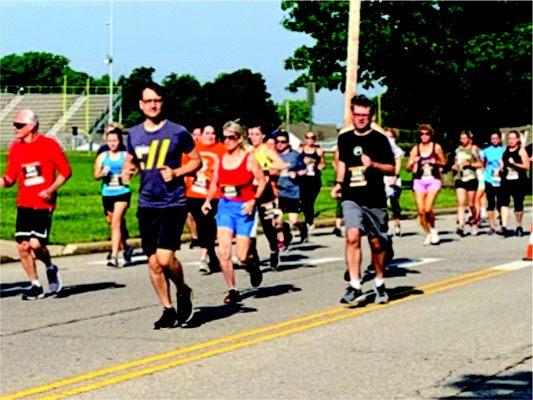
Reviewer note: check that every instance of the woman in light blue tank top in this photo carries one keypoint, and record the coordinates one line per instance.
(115, 195)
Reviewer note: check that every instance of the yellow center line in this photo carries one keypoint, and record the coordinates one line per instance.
(294, 325)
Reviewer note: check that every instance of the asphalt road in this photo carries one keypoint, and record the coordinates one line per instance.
(459, 325)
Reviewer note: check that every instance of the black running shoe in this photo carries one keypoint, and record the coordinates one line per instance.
(304, 233)
(519, 231)
(33, 293)
(337, 232)
(506, 232)
(233, 297)
(352, 296)
(184, 308)
(128, 253)
(274, 260)
(54, 279)
(256, 275)
(460, 232)
(167, 320)
(382, 296)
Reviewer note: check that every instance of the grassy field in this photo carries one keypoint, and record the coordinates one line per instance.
(79, 216)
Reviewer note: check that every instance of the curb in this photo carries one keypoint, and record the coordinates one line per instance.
(103, 246)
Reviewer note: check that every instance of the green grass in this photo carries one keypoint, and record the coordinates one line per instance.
(79, 215)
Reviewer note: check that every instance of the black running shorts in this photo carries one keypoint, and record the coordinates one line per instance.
(109, 201)
(161, 228)
(288, 205)
(32, 222)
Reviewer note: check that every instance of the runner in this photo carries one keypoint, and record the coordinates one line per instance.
(492, 160)
(466, 162)
(514, 182)
(365, 157)
(39, 165)
(115, 195)
(155, 147)
(393, 184)
(235, 216)
(289, 190)
(425, 161)
(267, 205)
(312, 156)
(196, 192)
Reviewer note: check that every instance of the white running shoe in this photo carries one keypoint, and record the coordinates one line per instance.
(427, 240)
(434, 237)
(475, 231)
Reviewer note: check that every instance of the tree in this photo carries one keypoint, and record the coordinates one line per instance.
(239, 95)
(299, 111)
(453, 64)
(131, 87)
(184, 100)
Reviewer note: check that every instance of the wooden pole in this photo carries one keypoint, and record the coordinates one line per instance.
(352, 60)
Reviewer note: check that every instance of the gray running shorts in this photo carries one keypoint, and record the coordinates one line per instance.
(373, 222)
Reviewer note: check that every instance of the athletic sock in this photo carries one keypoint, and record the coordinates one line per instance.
(36, 283)
(355, 283)
(378, 282)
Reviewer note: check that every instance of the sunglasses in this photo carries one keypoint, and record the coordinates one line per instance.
(310, 137)
(281, 141)
(19, 125)
(230, 137)
(425, 134)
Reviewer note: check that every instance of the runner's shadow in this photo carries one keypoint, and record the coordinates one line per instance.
(329, 233)
(407, 234)
(307, 247)
(13, 289)
(89, 287)
(292, 257)
(205, 314)
(502, 386)
(396, 293)
(447, 240)
(269, 291)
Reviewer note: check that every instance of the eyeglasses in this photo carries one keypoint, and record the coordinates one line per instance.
(281, 141)
(310, 137)
(424, 133)
(361, 115)
(19, 125)
(230, 137)
(156, 101)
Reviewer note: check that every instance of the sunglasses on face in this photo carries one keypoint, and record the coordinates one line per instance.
(310, 137)
(19, 125)
(425, 134)
(230, 137)
(281, 141)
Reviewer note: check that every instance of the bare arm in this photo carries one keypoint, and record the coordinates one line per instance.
(277, 162)
(129, 169)
(322, 162)
(98, 173)
(340, 171)
(441, 158)
(412, 161)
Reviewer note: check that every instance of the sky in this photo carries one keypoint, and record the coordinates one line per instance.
(201, 38)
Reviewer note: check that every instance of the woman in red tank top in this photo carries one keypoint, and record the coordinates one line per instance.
(236, 176)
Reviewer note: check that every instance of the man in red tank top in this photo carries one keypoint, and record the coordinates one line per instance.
(39, 165)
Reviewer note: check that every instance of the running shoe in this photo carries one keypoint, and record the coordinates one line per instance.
(352, 296)
(310, 228)
(337, 232)
(475, 231)
(256, 276)
(398, 232)
(109, 255)
(54, 279)
(427, 240)
(274, 260)
(33, 293)
(233, 297)
(434, 237)
(184, 308)
(506, 232)
(167, 320)
(382, 296)
(492, 231)
(113, 262)
(519, 231)
(128, 253)
(304, 233)
(203, 267)
(460, 231)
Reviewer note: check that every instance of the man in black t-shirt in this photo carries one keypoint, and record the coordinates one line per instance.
(365, 156)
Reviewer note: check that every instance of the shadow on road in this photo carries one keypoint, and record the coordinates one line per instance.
(306, 247)
(205, 314)
(89, 287)
(270, 291)
(13, 289)
(395, 293)
(513, 386)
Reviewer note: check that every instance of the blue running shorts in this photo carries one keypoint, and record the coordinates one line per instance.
(229, 215)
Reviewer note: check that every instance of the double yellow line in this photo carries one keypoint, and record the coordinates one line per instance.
(129, 370)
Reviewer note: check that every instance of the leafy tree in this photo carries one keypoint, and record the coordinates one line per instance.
(184, 100)
(299, 111)
(131, 86)
(239, 95)
(453, 64)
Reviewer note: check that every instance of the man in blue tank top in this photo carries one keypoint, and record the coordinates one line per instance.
(155, 148)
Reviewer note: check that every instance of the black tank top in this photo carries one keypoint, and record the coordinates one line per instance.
(512, 173)
(426, 170)
(312, 167)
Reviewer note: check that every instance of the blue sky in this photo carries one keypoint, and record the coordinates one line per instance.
(200, 38)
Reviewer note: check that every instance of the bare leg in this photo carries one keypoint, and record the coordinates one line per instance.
(159, 277)
(116, 226)
(378, 256)
(353, 252)
(420, 204)
(461, 200)
(428, 207)
(225, 236)
(27, 260)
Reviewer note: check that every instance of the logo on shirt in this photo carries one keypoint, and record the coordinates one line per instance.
(358, 151)
(153, 156)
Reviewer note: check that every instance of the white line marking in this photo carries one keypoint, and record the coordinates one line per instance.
(514, 265)
(314, 261)
(412, 262)
(134, 259)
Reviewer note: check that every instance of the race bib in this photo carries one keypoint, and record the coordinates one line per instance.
(467, 175)
(32, 174)
(114, 181)
(231, 192)
(200, 185)
(495, 178)
(426, 172)
(512, 174)
(310, 170)
(357, 178)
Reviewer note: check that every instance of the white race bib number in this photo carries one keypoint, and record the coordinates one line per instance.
(200, 184)
(357, 178)
(512, 174)
(230, 192)
(32, 174)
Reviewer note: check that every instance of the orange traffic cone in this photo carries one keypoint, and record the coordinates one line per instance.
(529, 250)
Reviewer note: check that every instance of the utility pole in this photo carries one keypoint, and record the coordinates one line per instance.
(311, 89)
(287, 114)
(109, 61)
(352, 60)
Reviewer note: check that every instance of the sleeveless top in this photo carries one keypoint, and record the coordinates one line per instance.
(112, 182)
(467, 173)
(237, 183)
(510, 172)
(264, 162)
(425, 170)
(262, 159)
(311, 160)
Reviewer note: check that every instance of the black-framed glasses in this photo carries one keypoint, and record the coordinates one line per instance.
(19, 125)
(281, 141)
(230, 137)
